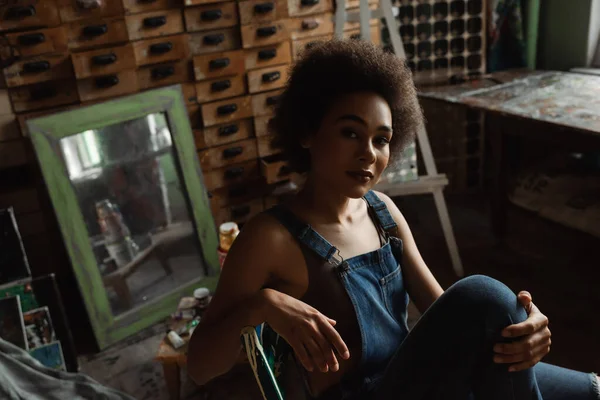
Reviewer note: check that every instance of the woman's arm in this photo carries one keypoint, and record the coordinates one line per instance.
(421, 285)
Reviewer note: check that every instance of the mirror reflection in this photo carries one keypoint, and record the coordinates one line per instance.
(130, 192)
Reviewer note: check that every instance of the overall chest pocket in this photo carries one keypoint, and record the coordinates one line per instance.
(392, 283)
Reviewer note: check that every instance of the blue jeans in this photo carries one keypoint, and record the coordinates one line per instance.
(448, 354)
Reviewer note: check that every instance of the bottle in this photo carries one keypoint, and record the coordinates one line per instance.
(117, 237)
(228, 231)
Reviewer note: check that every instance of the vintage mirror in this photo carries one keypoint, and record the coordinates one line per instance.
(126, 186)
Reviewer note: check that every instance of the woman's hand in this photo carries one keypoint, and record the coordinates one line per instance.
(535, 338)
(311, 334)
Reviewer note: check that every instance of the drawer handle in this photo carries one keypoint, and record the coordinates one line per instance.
(104, 82)
(356, 36)
(44, 92)
(237, 192)
(155, 22)
(104, 59)
(220, 85)
(232, 152)
(19, 12)
(218, 63)
(161, 48)
(162, 72)
(228, 130)
(284, 170)
(266, 31)
(233, 173)
(309, 2)
(311, 44)
(267, 54)
(211, 15)
(214, 39)
(310, 24)
(95, 30)
(227, 109)
(31, 39)
(272, 100)
(239, 212)
(271, 76)
(35, 67)
(264, 8)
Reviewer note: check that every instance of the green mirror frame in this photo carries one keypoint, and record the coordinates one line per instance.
(47, 131)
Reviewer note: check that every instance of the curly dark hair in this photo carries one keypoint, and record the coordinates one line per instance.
(331, 69)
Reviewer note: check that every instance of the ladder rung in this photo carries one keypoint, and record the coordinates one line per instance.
(425, 184)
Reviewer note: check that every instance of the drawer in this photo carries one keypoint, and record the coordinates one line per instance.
(264, 33)
(356, 3)
(314, 25)
(199, 139)
(9, 127)
(160, 50)
(100, 87)
(298, 46)
(240, 213)
(189, 92)
(261, 125)
(94, 33)
(12, 154)
(275, 169)
(227, 133)
(261, 57)
(24, 14)
(356, 25)
(263, 104)
(220, 88)
(103, 61)
(298, 8)
(375, 34)
(270, 78)
(225, 111)
(43, 41)
(240, 194)
(228, 154)
(194, 116)
(70, 10)
(5, 107)
(211, 17)
(218, 64)
(154, 24)
(257, 11)
(267, 146)
(164, 74)
(39, 69)
(231, 175)
(214, 41)
(142, 6)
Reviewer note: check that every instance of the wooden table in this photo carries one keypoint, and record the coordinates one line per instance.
(172, 361)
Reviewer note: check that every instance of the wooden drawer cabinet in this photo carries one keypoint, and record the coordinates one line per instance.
(199, 139)
(13, 153)
(164, 74)
(44, 95)
(103, 61)
(270, 78)
(356, 25)
(43, 41)
(257, 11)
(261, 125)
(228, 154)
(5, 107)
(231, 132)
(220, 88)
(24, 14)
(142, 6)
(225, 111)
(9, 127)
(95, 33)
(267, 146)
(263, 34)
(298, 8)
(189, 3)
(298, 46)
(263, 104)
(375, 34)
(240, 213)
(160, 50)
(214, 41)
(313, 25)
(39, 69)
(100, 87)
(195, 116)
(231, 175)
(240, 194)
(189, 92)
(275, 169)
(261, 57)
(218, 64)
(211, 16)
(154, 24)
(70, 10)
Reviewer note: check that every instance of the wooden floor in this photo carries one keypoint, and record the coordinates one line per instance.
(557, 265)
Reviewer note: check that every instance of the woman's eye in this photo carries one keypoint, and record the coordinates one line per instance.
(349, 133)
(382, 141)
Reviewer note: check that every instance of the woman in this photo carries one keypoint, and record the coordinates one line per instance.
(331, 270)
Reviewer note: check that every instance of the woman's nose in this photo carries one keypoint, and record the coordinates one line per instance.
(367, 154)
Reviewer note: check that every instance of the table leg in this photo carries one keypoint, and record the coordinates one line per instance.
(173, 379)
(122, 290)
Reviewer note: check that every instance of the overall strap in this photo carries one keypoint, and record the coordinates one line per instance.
(382, 213)
(303, 232)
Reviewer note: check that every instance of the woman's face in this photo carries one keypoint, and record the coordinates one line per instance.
(351, 149)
